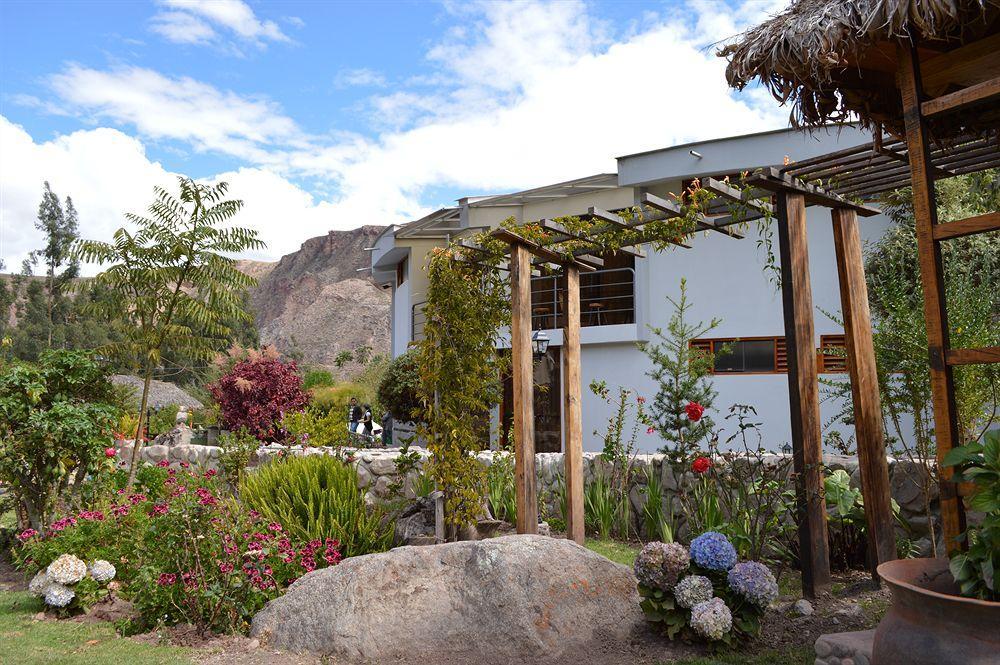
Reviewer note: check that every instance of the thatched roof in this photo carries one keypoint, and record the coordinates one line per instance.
(161, 393)
(830, 59)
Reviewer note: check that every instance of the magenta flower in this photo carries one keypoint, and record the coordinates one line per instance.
(27, 534)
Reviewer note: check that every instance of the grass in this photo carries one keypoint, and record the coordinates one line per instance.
(26, 641)
(793, 656)
(617, 551)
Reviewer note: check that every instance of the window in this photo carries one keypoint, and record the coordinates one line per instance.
(746, 355)
(401, 271)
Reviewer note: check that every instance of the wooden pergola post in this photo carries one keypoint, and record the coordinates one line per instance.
(872, 461)
(946, 434)
(522, 369)
(803, 392)
(573, 453)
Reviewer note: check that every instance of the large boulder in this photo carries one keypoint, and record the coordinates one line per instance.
(500, 600)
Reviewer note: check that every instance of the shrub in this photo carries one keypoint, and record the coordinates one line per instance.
(315, 427)
(56, 419)
(398, 391)
(162, 420)
(257, 391)
(705, 594)
(500, 487)
(334, 399)
(238, 449)
(317, 497)
(317, 378)
(190, 556)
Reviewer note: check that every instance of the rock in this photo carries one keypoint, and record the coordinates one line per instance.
(415, 523)
(851, 611)
(253, 644)
(382, 465)
(382, 485)
(178, 436)
(154, 454)
(364, 476)
(502, 600)
(802, 607)
(544, 529)
(906, 484)
(854, 648)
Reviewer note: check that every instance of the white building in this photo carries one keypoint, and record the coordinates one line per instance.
(725, 276)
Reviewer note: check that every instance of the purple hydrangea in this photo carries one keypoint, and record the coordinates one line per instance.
(753, 581)
(713, 551)
(659, 565)
(692, 590)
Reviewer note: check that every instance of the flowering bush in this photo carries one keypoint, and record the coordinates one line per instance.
(701, 464)
(720, 601)
(713, 551)
(257, 391)
(184, 555)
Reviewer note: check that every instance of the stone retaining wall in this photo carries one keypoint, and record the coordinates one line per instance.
(377, 468)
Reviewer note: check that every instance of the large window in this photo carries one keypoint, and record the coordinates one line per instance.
(607, 296)
(769, 355)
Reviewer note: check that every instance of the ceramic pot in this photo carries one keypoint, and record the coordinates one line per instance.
(929, 623)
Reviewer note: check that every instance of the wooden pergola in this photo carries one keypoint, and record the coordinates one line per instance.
(926, 74)
(737, 207)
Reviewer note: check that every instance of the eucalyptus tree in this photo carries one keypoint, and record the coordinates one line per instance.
(177, 288)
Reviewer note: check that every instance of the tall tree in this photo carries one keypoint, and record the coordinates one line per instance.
(176, 287)
(61, 229)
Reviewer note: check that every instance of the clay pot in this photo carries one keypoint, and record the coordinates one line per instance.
(929, 623)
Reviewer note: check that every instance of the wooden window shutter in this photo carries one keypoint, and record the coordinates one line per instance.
(780, 355)
(836, 361)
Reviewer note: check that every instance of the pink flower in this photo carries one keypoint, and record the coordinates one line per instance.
(640, 399)
(163, 464)
(120, 511)
(185, 465)
(225, 567)
(694, 411)
(110, 452)
(136, 498)
(274, 526)
(254, 515)
(166, 579)
(27, 534)
(210, 473)
(159, 509)
(650, 430)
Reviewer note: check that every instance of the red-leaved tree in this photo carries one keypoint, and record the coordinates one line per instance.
(257, 392)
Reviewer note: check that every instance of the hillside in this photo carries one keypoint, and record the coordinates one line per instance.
(315, 301)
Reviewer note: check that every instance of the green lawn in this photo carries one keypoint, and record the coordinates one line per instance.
(617, 551)
(25, 641)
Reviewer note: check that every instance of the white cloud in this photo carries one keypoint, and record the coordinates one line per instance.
(362, 77)
(192, 21)
(526, 94)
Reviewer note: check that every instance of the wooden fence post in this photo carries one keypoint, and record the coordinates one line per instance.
(573, 454)
(803, 393)
(864, 388)
(522, 369)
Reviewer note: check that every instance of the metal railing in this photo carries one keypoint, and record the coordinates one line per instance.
(607, 297)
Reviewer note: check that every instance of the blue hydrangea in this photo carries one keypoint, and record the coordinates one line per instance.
(753, 581)
(713, 551)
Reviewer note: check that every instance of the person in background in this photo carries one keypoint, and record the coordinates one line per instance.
(387, 429)
(367, 421)
(354, 415)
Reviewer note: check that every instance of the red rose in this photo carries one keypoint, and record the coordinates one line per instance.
(694, 411)
(110, 452)
(701, 465)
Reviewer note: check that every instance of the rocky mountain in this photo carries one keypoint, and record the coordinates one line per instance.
(317, 303)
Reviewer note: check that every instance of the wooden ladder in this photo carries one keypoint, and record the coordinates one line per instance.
(930, 234)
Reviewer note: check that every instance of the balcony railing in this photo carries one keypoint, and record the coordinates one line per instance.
(607, 297)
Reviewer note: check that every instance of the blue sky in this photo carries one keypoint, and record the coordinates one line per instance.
(328, 115)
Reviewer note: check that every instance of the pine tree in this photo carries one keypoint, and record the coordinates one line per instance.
(682, 376)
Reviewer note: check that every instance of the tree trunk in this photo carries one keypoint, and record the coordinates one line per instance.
(137, 442)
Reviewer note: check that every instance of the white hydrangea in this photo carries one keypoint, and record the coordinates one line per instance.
(102, 571)
(58, 595)
(711, 619)
(692, 590)
(67, 569)
(39, 583)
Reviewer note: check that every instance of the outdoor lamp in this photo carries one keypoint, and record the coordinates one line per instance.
(787, 448)
(540, 342)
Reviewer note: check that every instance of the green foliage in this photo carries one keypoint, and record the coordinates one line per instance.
(399, 390)
(56, 419)
(173, 278)
(682, 376)
(607, 511)
(975, 569)
(656, 524)
(237, 450)
(334, 399)
(317, 378)
(460, 373)
(316, 427)
(500, 487)
(317, 497)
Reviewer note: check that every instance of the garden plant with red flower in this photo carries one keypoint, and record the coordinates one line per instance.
(701, 465)
(694, 411)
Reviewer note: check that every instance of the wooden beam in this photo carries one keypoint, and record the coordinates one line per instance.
(556, 227)
(671, 209)
(983, 356)
(731, 193)
(774, 180)
(967, 227)
(965, 66)
(932, 277)
(867, 404)
(803, 393)
(573, 452)
(608, 217)
(980, 93)
(534, 248)
(522, 366)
